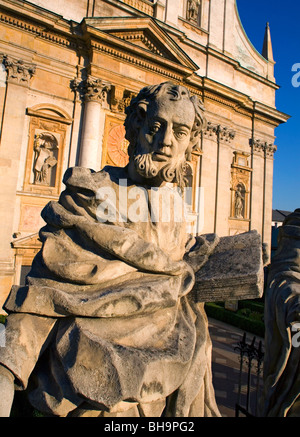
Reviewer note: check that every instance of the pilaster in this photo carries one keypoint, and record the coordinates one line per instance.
(263, 153)
(19, 74)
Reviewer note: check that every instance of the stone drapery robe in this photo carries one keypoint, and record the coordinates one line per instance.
(106, 324)
(281, 396)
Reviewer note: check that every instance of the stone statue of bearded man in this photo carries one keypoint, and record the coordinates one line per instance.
(168, 122)
(107, 324)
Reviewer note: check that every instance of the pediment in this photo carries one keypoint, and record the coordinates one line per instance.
(145, 34)
(145, 39)
(29, 242)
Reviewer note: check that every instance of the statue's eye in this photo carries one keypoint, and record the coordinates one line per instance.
(180, 134)
(154, 129)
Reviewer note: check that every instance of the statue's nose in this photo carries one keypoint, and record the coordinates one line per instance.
(166, 138)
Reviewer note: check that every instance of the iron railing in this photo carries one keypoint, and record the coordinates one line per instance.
(249, 353)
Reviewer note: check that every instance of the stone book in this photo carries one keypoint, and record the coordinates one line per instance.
(234, 270)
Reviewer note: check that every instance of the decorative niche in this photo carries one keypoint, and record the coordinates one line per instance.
(47, 136)
(240, 186)
(193, 12)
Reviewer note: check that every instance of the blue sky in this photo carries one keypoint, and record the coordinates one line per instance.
(285, 34)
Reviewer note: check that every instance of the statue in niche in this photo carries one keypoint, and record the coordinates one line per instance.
(239, 202)
(281, 393)
(107, 325)
(45, 148)
(192, 10)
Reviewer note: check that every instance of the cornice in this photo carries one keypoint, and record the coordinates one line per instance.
(40, 23)
(236, 100)
(273, 114)
(137, 61)
(38, 14)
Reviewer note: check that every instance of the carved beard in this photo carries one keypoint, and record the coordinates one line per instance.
(147, 168)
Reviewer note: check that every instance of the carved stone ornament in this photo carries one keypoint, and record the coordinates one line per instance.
(222, 132)
(226, 134)
(141, 5)
(117, 146)
(120, 99)
(192, 10)
(239, 202)
(270, 150)
(76, 86)
(96, 90)
(45, 148)
(240, 185)
(18, 71)
(263, 147)
(90, 89)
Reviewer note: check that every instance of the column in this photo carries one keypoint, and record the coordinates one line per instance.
(258, 185)
(95, 93)
(270, 149)
(74, 150)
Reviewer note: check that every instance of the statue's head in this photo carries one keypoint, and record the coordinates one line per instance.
(46, 140)
(163, 126)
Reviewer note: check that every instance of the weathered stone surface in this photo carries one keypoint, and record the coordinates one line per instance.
(234, 270)
(106, 322)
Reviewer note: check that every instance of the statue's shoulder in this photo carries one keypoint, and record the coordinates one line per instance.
(85, 178)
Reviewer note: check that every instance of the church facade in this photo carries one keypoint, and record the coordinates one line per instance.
(68, 71)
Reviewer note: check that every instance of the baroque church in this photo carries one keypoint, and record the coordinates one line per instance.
(69, 69)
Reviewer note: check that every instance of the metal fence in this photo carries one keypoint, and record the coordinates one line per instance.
(250, 354)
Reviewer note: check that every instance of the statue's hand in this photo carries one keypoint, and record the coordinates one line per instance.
(188, 277)
(199, 253)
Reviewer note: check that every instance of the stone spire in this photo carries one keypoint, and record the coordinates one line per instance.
(267, 50)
